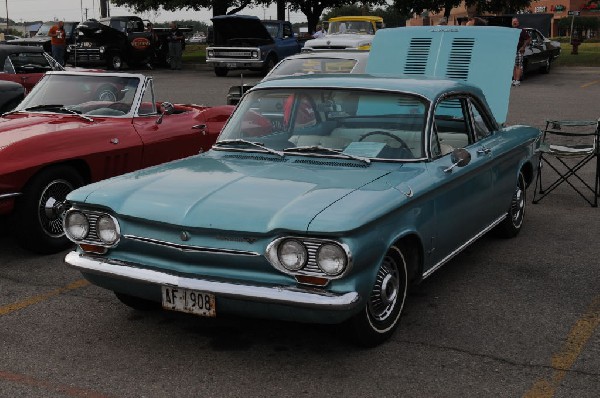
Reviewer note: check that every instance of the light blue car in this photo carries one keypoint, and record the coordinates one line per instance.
(325, 197)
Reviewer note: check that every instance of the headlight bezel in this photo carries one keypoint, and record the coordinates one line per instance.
(67, 226)
(311, 267)
(93, 237)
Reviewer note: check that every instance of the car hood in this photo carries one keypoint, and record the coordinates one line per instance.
(347, 40)
(228, 28)
(481, 55)
(252, 195)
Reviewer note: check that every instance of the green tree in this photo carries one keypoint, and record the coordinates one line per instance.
(492, 6)
(219, 7)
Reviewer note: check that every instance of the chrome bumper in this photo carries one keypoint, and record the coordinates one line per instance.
(284, 295)
(235, 63)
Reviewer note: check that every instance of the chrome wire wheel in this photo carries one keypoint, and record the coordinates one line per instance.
(51, 207)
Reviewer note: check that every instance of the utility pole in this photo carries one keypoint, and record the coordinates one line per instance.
(103, 8)
(6, 16)
(281, 10)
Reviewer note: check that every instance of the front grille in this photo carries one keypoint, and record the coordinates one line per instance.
(330, 163)
(330, 47)
(233, 54)
(88, 54)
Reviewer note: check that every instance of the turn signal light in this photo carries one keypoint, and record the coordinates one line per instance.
(95, 249)
(312, 280)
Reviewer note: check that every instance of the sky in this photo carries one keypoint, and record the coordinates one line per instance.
(77, 10)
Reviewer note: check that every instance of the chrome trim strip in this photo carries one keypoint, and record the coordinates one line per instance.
(284, 295)
(189, 248)
(10, 195)
(463, 246)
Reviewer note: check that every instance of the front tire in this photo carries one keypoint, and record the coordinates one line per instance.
(269, 64)
(115, 62)
(40, 210)
(547, 66)
(512, 224)
(221, 72)
(377, 321)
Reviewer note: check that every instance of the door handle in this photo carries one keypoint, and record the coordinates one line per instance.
(201, 127)
(484, 151)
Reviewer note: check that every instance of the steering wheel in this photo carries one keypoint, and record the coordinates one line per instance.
(388, 134)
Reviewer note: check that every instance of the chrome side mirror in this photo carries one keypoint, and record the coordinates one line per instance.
(168, 109)
(460, 157)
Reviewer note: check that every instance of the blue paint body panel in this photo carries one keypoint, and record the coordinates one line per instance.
(362, 162)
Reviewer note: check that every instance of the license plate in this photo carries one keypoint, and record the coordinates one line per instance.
(232, 65)
(86, 44)
(185, 300)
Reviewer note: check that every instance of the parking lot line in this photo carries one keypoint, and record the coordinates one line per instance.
(7, 309)
(47, 386)
(562, 361)
(590, 83)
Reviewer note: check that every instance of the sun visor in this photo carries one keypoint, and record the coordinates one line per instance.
(481, 55)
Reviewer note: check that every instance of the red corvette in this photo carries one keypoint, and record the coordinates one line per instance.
(75, 128)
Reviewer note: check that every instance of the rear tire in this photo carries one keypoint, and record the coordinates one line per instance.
(40, 210)
(512, 224)
(380, 317)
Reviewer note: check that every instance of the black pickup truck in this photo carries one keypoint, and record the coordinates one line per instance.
(41, 38)
(112, 41)
(246, 42)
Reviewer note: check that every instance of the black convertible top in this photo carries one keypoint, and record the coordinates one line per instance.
(8, 49)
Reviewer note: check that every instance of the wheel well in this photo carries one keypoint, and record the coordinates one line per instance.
(527, 170)
(413, 250)
(80, 166)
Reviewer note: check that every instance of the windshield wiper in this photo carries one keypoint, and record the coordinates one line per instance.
(321, 149)
(77, 113)
(247, 143)
(33, 108)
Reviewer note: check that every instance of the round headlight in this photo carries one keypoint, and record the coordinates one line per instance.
(211, 53)
(254, 54)
(77, 225)
(102, 49)
(331, 259)
(107, 230)
(292, 254)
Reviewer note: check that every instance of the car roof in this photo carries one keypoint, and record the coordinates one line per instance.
(356, 18)
(425, 87)
(97, 73)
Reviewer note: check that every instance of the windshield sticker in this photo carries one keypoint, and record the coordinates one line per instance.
(364, 149)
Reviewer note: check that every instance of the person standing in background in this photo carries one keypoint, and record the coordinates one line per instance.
(524, 41)
(320, 32)
(175, 40)
(58, 40)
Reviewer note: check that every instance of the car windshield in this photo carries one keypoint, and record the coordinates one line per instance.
(94, 94)
(328, 122)
(30, 62)
(297, 66)
(362, 27)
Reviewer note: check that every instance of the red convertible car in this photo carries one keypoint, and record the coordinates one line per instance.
(75, 128)
(25, 64)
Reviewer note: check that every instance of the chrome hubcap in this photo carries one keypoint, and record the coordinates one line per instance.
(518, 206)
(385, 292)
(51, 207)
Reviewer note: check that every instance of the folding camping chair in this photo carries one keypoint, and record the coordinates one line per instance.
(573, 144)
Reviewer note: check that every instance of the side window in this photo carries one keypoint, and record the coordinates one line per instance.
(451, 122)
(480, 126)
(287, 31)
(148, 105)
(8, 66)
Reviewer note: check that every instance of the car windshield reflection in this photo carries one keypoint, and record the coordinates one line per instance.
(331, 122)
(88, 95)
